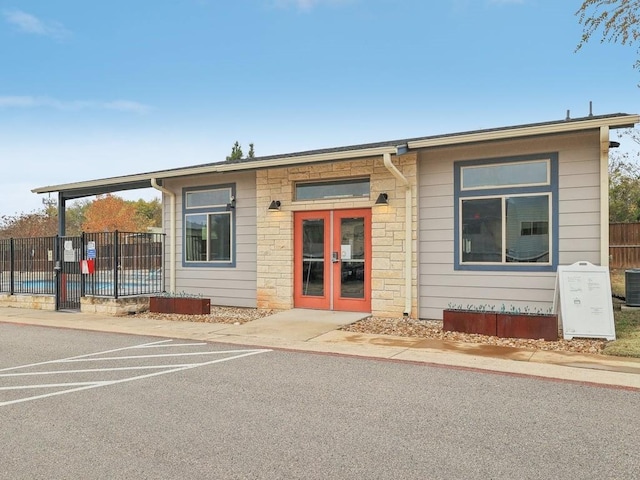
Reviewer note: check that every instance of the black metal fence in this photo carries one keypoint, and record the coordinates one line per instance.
(27, 265)
(110, 264)
(124, 263)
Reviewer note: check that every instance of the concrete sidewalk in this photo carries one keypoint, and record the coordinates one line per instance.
(317, 331)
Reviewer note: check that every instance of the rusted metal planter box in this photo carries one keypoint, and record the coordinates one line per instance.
(483, 323)
(512, 325)
(184, 306)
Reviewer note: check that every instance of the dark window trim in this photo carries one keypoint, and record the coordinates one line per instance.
(331, 181)
(207, 210)
(552, 188)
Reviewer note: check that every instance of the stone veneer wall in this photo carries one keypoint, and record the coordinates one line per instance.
(275, 229)
(35, 302)
(107, 306)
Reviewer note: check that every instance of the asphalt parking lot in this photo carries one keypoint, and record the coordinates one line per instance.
(41, 380)
(77, 404)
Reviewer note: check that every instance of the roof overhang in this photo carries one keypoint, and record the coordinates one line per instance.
(623, 121)
(144, 180)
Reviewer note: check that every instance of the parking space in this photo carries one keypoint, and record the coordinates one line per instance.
(186, 409)
(40, 380)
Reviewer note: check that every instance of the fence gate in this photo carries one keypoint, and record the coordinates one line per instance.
(68, 275)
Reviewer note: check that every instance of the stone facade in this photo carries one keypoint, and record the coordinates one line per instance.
(275, 229)
(35, 302)
(114, 306)
(103, 305)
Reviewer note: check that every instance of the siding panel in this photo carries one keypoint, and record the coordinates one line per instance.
(234, 286)
(579, 229)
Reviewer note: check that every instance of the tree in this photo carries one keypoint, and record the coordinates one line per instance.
(108, 213)
(624, 183)
(75, 214)
(618, 20)
(41, 223)
(151, 210)
(236, 152)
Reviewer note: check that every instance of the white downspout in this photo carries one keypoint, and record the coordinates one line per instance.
(604, 196)
(172, 233)
(408, 247)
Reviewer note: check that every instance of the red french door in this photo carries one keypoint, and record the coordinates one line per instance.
(332, 260)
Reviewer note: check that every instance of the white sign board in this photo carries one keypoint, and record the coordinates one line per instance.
(69, 255)
(586, 308)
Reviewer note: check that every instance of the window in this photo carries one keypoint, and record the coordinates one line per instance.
(209, 216)
(506, 213)
(534, 228)
(349, 188)
(505, 175)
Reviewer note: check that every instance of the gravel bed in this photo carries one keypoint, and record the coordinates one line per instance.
(403, 327)
(433, 329)
(230, 315)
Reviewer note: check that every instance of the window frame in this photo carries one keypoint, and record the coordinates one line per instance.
(207, 210)
(503, 192)
(333, 181)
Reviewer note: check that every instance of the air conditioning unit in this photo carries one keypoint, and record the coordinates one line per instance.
(632, 287)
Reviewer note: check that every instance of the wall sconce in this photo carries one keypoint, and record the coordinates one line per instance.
(383, 199)
(232, 203)
(275, 205)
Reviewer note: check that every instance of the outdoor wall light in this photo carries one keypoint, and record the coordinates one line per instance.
(275, 205)
(232, 203)
(383, 199)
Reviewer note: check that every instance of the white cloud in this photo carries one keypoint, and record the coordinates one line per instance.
(46, 102)
(31, 24)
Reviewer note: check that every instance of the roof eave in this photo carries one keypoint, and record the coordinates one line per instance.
(626, 121)
(143, 180)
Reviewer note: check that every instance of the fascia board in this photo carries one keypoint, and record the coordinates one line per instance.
(614, 122)
(216, 168)
(302, 159)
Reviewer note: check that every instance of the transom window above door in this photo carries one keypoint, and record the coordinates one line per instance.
(343, 188)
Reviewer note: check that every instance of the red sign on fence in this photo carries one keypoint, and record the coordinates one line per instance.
(87, 266)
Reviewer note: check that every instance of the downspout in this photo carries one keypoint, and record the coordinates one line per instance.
(172, 233)
(604, 196)
(408, 254)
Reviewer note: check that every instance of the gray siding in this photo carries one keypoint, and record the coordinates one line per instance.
(226, 286)
(579, 225)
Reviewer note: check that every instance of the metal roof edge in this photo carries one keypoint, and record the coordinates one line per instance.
(621, 121)
(143, 180)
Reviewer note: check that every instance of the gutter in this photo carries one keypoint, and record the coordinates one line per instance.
(172, 233)
(408, 245)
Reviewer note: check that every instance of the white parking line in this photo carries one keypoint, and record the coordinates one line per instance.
(48, 385)
(175, 345)
(79, 386)
(160, 355)
(83, 356)
(89, 370)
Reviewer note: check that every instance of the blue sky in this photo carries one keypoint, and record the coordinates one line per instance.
(98, 89)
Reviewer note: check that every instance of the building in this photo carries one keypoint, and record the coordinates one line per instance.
(405, 227)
